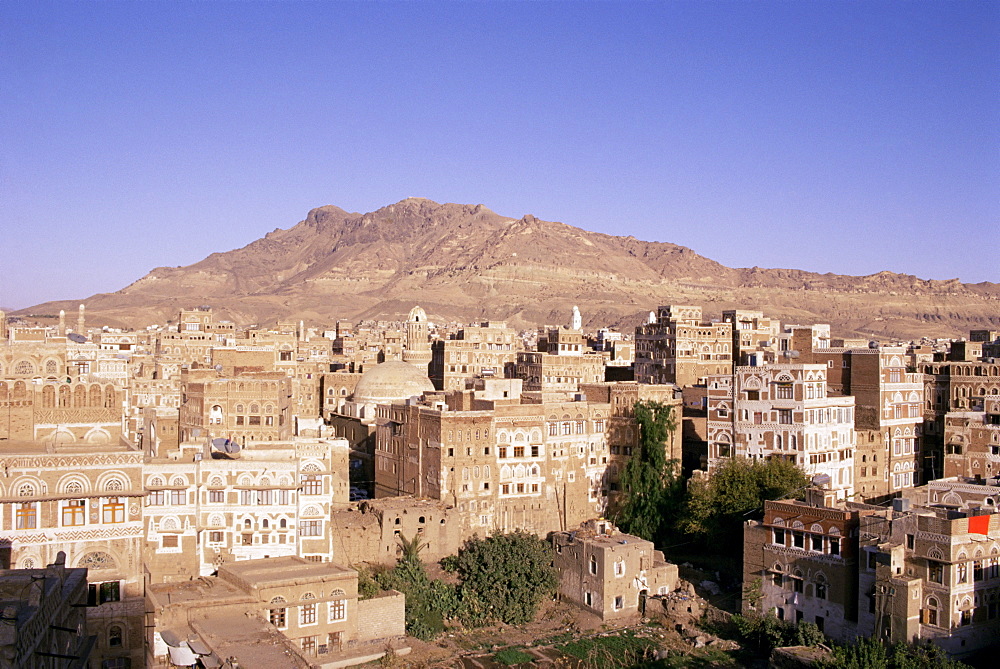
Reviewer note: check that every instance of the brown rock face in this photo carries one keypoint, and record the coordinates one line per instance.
(465, 262)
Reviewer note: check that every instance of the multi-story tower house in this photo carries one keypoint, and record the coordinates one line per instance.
(85, 501)
(972, 441)
(245, 408)
(952, 386)
(475, 351)
(888, 415)
(930, 568)
(783, 411)
(681, 348)
(504, 462)
(560, 364)
(755, 338)
(208, 505)
(801, 561)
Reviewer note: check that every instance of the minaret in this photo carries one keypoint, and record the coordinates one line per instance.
(576, 323)
(3, 326)
(81, 322)
(652, 317)
(418, 345)
(62, 322)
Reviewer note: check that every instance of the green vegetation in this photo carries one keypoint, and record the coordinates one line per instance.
(652, 490)
(504, 578)
(615, 650)
(873, 654)
(510, 656)
(716, 508)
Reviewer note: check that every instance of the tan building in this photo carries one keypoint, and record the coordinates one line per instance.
(504, 460)
(268, 613)
(45, 624)
(207, 505)
(801, 561)
(475, 351)
(783, 411)
(888, 416)
(681, 348)
(972, 441)
(610, 573)
(755, 338)
(85, 502)
(251, 407)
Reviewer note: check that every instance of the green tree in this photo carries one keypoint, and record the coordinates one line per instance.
(716, 508)
(428, 603)
(652, 492)
(504, 577)
(869, 653)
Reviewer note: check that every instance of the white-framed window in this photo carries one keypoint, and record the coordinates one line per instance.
(337, 610)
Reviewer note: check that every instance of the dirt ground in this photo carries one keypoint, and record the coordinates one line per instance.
(557, 623)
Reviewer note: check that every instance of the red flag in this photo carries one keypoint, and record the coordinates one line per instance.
(979, 525)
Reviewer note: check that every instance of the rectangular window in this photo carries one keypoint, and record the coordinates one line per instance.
(113, 511)
(619, 603)
(247, 497)
(567, 429)
(215, 537)
(178, 497)
(535, 451)
(817, 542)
(834, 546)
(783, 391)
(785, 416)
(311, 528)
(312, 485)
(962, 569)
(27, 518)
(278, 618)
(216, 496)
(169, 541)
(798, 539)
(598, 426)
(579, 427)
(797, 584)
(309, 643)
(519, 451)
(156, 498)
(253, 420)
(110, 591)
(74, 513)
(338, 610)
(307, 614)
(553, 429)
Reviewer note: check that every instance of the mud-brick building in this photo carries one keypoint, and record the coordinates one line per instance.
(610, 573)
(275, 612)
(85, 502)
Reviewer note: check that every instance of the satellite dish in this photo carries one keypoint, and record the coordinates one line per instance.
(76, 337)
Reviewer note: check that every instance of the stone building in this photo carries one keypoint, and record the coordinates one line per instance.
(755, 338)
(952, 386)
(502, 458)
(247, 408)
(207, 506)
(475, 351)
(681, 348)
(888, 415)
(972, 441)
(63, 412)
(275, 612)
(610, 573)
(43, 610)
(783, 411)
(930, 568)
(83, 501)
(801, 562)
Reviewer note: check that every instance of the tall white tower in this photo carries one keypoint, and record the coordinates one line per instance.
(576, 322)
(418, 345)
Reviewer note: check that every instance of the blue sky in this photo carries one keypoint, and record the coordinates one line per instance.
(830, 136)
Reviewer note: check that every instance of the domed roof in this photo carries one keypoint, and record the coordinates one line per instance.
(391, 380)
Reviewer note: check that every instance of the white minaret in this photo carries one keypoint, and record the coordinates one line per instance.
(81, 322)
(3, 326)
(652, 317)
(576, 323)
(418, 345)
(62, 322)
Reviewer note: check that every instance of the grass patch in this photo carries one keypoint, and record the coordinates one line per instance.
(608, 652)
(511, 656)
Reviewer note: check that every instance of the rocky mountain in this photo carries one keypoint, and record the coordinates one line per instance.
(465, 262)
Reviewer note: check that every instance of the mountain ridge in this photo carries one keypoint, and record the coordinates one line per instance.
(465, 262)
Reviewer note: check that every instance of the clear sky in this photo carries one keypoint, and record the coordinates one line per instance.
(830, 136)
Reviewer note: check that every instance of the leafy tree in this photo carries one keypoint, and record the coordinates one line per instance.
(428, 602)
(504, 577)
(651, 490)
(716, 508)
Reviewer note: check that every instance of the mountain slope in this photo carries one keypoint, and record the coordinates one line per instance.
(464, 262)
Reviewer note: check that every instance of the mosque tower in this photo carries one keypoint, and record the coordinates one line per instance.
(418, 345)
(62, 323)
(81, 322)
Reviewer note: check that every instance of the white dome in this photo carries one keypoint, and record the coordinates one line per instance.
(392, 380)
